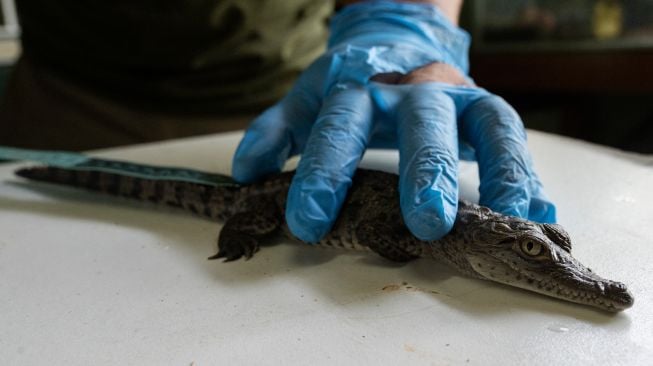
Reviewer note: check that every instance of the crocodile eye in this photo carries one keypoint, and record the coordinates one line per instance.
(531, 248)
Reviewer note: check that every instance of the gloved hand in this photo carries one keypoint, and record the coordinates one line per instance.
(335, 111)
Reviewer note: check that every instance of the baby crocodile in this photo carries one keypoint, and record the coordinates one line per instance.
(482, 244)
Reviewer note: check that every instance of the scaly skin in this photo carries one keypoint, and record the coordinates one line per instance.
(482, 244)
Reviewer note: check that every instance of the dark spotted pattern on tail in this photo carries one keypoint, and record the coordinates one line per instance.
(216, 203)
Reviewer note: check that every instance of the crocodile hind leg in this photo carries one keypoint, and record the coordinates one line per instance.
(244, 232)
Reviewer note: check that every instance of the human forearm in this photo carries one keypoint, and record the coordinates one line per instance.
(450, 8)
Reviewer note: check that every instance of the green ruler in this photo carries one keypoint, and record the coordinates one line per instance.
(76, 161)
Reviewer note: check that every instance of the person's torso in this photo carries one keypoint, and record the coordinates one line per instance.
(229, 54)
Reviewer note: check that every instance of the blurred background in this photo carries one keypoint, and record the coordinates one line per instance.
(581, 68)
(9, 48)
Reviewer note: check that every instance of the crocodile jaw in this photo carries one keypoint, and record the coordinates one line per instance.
(573, 282)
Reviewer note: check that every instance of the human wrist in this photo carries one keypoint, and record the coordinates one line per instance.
(398, 31)
(449, 8)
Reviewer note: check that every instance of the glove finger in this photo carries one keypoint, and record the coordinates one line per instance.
(428, 161)
(332, 153)
(541, 209)
(274, 136)
(508, 182)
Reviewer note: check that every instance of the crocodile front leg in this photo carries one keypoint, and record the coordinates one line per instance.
(244, 232)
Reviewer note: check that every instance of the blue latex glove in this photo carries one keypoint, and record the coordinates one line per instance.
(334, 113)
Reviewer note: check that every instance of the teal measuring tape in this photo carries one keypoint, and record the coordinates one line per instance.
(76, 161)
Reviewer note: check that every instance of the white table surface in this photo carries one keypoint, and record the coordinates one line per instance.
(92, 280)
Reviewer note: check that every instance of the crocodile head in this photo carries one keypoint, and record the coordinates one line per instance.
(537, 257)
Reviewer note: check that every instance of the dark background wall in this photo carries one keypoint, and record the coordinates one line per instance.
(581, 68)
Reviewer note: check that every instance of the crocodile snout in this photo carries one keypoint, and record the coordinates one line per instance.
(619, 295)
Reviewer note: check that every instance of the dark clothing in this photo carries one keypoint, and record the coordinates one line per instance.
(201, 58)
(44, 111)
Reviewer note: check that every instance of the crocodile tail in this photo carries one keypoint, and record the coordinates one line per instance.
(202, 199)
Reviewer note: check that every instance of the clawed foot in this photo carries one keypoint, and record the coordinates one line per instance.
(236, 247)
